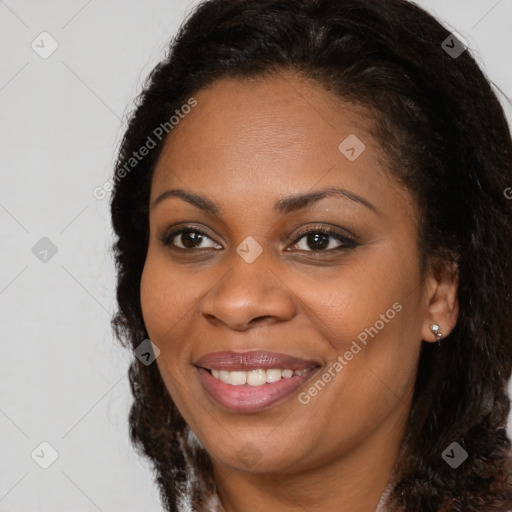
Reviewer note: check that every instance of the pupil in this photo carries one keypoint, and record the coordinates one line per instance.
(188, 238)
(314, 239)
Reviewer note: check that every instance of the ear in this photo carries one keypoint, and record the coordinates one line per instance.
(442, 306)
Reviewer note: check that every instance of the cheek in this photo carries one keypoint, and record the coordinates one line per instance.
(162, 308)
(368, 292)
(153, 299)
(160, 300)
(371, 316)
(170, 298)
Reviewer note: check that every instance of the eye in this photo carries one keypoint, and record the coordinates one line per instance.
(323, 240)
(187, 238)
(316, 240)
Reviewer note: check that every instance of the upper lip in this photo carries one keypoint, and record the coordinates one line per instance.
(243, 361)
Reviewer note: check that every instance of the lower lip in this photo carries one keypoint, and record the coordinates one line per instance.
(246, 398)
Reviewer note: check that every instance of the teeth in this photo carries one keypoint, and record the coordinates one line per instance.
(237, 378)
(273, 375)
(255, 377)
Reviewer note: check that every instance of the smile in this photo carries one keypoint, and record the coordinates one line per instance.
(252, 381)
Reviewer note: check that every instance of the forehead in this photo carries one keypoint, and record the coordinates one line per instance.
(273, 134)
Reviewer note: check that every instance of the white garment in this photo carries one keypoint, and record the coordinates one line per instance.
(381, 506)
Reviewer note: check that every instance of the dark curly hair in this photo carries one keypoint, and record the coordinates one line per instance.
(445, 137)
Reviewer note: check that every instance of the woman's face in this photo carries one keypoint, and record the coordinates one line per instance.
(253, 286)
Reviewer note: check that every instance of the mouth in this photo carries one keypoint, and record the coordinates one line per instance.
(252, 381)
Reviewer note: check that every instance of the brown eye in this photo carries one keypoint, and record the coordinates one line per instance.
(187, 239)
(321, 240)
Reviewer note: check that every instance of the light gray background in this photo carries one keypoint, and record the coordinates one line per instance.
(63, 376)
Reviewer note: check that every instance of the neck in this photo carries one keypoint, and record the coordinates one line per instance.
(353, 482)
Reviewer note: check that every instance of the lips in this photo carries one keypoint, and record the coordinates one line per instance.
(255, 395)
(245, 361)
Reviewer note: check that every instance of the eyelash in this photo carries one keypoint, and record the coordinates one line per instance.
(347, 241)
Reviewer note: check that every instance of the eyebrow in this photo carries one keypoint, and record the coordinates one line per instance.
(284, 205)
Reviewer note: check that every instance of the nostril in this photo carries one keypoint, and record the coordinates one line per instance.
(259, 318)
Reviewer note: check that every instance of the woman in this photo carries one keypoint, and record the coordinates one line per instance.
(313, 231)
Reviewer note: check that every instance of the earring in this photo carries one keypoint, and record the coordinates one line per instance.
(435, 331)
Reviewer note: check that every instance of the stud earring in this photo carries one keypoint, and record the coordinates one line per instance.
(436, 332)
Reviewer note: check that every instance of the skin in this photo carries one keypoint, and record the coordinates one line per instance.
(247, 144)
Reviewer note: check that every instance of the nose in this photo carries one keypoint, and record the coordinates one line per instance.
(249, 294)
